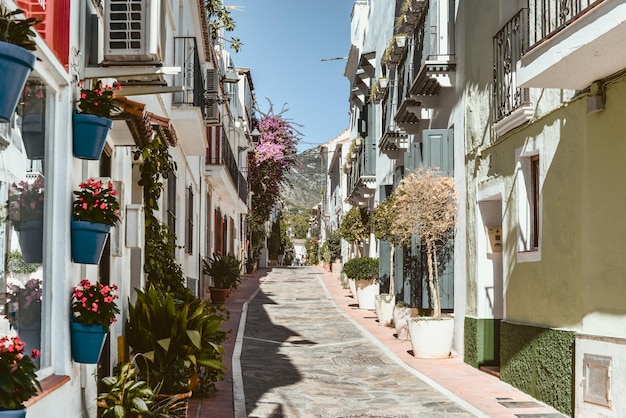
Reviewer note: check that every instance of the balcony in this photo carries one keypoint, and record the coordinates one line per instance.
(361, 178)
(511, 102)
(221, 165)
(393, 139)
(572, 43)
(407, 116)
(188, 105)
(433, 76)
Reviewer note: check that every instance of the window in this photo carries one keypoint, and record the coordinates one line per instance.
(23, 306)
(189, 221)
(534, 202)
(529, 206)
(171, 202)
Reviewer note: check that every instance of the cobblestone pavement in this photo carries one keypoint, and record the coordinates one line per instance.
(301, 357)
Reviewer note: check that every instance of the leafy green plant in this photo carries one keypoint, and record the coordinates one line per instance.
(128, 396)
(174, 337)
(16, 263)
(17, 31)
(355, 227)
(361, 268)
(160, 264)
(225, 270)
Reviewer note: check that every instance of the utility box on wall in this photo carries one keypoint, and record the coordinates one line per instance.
(494, 241)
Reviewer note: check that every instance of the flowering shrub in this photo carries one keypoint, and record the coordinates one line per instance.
(96, 202)
(25, 301)
(94, 304)
(19, 381)
(271, 160)
(26, 201)
(100, 100)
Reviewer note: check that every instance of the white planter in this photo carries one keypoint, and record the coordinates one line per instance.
(384, 309)
(401, 316)
(352, 285)
(366, 293)
(431, 337)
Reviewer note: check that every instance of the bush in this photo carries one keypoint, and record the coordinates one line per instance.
(361, 268)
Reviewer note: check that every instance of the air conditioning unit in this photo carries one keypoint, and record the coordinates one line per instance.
(134, 32)
(211, 97)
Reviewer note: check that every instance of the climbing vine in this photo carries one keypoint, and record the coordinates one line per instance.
(160, 264)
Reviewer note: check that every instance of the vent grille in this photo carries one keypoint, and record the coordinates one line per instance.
(126, 25)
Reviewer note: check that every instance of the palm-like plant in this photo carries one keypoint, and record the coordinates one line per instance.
(176, 338)
(225, 270)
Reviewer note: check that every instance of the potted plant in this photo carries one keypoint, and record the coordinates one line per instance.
(93, 121)
(24, 311)
(354, 228)
(426, 206)
(16, 58)
(382, 221)
(364, 271)
(32, 109)
(129, 396)
(25, 211)
(226, 274)
(19, 382)
(93, 312)
(175, 338)
(96, 209)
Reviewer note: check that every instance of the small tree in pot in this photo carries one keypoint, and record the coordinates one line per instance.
(364, 271)
(427, 206)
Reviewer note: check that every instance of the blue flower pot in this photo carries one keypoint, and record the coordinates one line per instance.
(90, 134)
(34, 135)
(13, 413)
(30, 236)
(88, 240)
(16, 63)
(87, 342)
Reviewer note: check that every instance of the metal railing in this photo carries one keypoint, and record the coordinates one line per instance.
(509, 44)
(547, 17)
(190, 77)
(219, 152)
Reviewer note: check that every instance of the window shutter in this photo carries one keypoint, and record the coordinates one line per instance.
(438, 150)
(413, 157)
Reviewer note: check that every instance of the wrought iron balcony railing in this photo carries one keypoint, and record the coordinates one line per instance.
(509, 44)
(186, 56)
(547, 17)
(219, 152)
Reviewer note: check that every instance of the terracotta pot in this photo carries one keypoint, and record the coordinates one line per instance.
(218, 295)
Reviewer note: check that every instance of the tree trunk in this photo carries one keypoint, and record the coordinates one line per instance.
(431, 281)
(392, 279)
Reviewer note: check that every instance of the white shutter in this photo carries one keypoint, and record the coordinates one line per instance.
(211, 111)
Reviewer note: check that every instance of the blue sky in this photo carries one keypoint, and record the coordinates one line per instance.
(284, 42)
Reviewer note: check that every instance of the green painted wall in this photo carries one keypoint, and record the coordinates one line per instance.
(540, 362)
(482, 342)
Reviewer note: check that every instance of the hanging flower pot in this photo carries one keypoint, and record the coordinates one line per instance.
(90, 134)
(92, 124)
(87, 342)
(13, 413)
(30, 236)
(16, 63)
(88, 240)
(33, 136)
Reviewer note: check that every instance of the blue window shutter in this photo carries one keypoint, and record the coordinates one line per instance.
(438, 150)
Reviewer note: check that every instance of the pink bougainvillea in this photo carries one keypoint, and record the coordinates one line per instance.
(272, 158)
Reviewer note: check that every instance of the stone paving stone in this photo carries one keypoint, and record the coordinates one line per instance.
(302, 358)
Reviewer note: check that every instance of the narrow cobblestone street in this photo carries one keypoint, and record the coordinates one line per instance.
(302, 358)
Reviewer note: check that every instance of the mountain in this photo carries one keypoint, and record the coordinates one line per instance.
(305, 184)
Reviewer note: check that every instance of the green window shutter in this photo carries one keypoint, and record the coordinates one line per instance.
(438, 150)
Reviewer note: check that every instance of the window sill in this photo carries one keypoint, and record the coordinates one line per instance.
(529, 256)
(48, 385)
